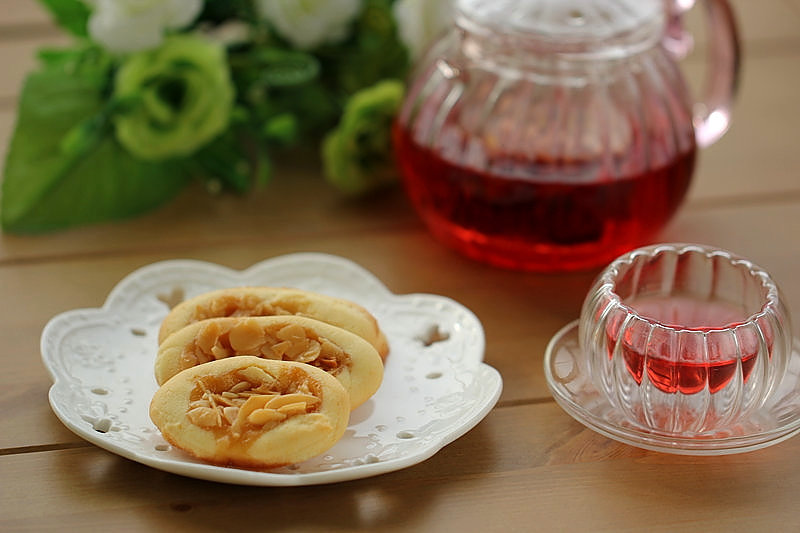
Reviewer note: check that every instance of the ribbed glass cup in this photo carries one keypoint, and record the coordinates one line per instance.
(685, 339)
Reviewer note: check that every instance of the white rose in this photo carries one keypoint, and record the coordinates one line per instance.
(131, 25)
(310, 23)
(419, 22)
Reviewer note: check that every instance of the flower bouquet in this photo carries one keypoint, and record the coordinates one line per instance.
(156, 93)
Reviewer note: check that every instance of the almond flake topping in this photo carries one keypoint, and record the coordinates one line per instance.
(253, 401)
(289, 342)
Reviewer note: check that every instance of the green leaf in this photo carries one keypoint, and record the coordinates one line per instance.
(84, 60)
(59, 58)
(46, 187)
(219, 12)
(373, 51)
(223, 162)
(285, 68)
(72, 15)
(315, 107)
(357, 155)
(281, 129)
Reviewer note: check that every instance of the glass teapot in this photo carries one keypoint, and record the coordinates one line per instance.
(553, 135)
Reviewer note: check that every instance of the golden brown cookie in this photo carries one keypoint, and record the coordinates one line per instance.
(348, 357)
(251, 412)
(268, 301)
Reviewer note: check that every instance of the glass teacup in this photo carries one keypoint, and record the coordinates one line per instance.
(685, 339)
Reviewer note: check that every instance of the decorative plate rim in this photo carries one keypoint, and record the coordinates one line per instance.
(373, 295)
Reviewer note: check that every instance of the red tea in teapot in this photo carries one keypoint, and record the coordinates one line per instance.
(554, 135)
(542, 223)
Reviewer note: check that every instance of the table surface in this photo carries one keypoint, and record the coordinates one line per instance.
(527, 465)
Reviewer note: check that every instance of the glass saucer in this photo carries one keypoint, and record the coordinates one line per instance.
(575, 392)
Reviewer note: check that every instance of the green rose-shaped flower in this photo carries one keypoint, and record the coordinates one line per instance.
(358, 154)
(182, 98)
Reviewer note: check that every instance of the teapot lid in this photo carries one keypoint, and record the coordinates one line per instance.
(566, 22)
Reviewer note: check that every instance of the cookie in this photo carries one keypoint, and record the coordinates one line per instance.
(268, 301)
(251, 412)
(345, 355)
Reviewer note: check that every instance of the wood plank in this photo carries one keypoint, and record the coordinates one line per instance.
(765, 21)
(507, 470)
(766, 234)
(296, 202)
(794, 5)
(23, 13)
(7, 118)
(18, 58)
(757, 156)
(770, 19)
(760, 144)
(528, 465)
(520, 312)
(763, 26)
(762, 23)
(43, 290)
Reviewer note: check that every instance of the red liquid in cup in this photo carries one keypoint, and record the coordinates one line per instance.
(686, 375)
(539, 224)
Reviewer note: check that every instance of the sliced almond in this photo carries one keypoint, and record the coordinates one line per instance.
(291, 332)
(230, 414)
(280, 349)
(246, 337)
(204, 417)
(268, 353)
(255, 375)
(262, 416)
(219, 351)
(286, 399)
(207, 336)
(240, 387)
(222, 401)
(253, 403)
(292, 409)
(309, 352)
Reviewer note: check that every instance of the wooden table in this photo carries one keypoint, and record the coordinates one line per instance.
(527, 466)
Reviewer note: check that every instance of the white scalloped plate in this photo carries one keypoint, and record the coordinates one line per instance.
(101, 362)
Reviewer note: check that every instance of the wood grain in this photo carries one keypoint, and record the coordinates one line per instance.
(507, 471)
(23, 13)
(519, 311)
(18, 57)
(528, 466)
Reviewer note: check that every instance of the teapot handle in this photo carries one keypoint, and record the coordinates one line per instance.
(712, 114)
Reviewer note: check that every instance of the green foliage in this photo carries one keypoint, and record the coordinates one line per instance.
(218, 11)
(357, 154)
(231, 162)
(101, 136)
(283, 68)
(182, 98)
(72, 15)
(371, 54)
(52, 183)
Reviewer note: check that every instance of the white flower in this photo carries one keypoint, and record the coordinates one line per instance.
(310, 23)
(419, 22)
(132, 25)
